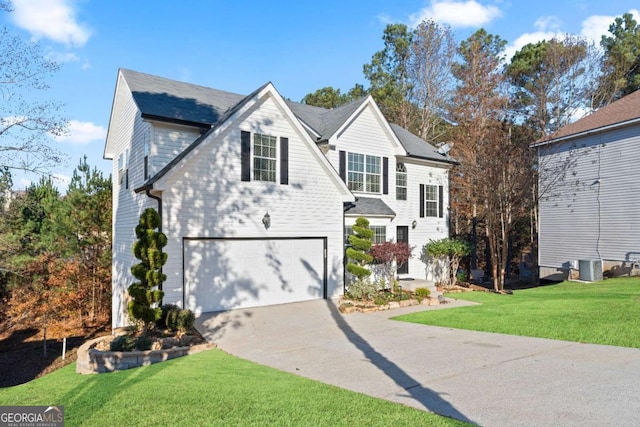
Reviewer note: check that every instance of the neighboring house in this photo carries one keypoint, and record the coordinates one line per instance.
(589, 186)
(256, 192)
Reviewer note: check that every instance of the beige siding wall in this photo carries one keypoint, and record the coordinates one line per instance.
(208, 199)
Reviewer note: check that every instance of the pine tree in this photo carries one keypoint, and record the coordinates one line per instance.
(145, 293)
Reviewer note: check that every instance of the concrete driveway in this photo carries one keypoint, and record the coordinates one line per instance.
(482, 378)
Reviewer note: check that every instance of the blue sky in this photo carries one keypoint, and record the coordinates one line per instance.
(239, 45)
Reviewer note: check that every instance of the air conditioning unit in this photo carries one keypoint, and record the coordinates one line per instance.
(590, 270)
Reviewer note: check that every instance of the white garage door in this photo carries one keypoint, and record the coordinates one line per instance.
(223, 274)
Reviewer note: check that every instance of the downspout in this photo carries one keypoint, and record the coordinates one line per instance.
(159, 200)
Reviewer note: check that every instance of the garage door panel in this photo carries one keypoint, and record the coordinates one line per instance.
(223, 274)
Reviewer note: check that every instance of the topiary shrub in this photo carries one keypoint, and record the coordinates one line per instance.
(358, 251)
(145, 293)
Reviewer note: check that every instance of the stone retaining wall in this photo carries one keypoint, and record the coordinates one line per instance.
(92, 361)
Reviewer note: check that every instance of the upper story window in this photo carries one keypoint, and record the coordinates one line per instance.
(264, 157)
(364, 173)
(146, 156)
(431, 200)
(401, 182)
(123, 168)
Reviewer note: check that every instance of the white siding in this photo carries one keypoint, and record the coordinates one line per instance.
(206, 198)
(592, 212)
(367, 135)
(126, 133)
(169, 141)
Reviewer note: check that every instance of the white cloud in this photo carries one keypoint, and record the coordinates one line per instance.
(457, 14)
(51, 19)
(547, 27)
(81, 133)
(596, 26)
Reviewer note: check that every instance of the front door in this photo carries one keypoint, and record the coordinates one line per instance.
(402, 235)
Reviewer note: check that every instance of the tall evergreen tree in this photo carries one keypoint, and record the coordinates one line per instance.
(621, 63)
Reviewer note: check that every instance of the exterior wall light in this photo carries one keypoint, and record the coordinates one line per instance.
(414, 224)
(266, 220)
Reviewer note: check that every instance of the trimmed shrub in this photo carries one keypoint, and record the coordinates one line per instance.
(362, 290)
(131, 343)
(422, 292)
(186, 320)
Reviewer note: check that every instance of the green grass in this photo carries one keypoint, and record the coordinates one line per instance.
(606, 312)
(209, 388)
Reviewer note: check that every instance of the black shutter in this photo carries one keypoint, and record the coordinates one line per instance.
(245, 156)
(284, 160)
(343, 166)
(421, 200)
(385, 175)
(440, 201)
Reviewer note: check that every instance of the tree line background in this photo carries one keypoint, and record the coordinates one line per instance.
(489, 108)
(55, 249)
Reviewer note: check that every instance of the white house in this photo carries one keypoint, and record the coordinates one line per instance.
(255, 192)
(589, 184)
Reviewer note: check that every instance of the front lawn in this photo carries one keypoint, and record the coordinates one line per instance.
(606, 312)
(209, 388)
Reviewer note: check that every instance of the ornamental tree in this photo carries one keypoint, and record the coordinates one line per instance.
(448, 252)
(390, 256)
(146, 293)
(358, 252)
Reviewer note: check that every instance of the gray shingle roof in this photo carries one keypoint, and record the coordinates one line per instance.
(325, 122)
(180, 102)
(370, 206)
(417, 147)
(157, 97)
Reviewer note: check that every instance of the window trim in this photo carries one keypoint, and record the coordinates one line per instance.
(275, 160)
(401, 171)
(378, 237)
(365, 183)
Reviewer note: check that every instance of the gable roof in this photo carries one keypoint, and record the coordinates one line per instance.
(163, 99)
(325, 122)
(622, 112)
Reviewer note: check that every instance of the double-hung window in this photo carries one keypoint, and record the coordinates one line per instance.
(364, 173)
(431, 200)
(264, 157)
(401, 182)
(379, 233)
